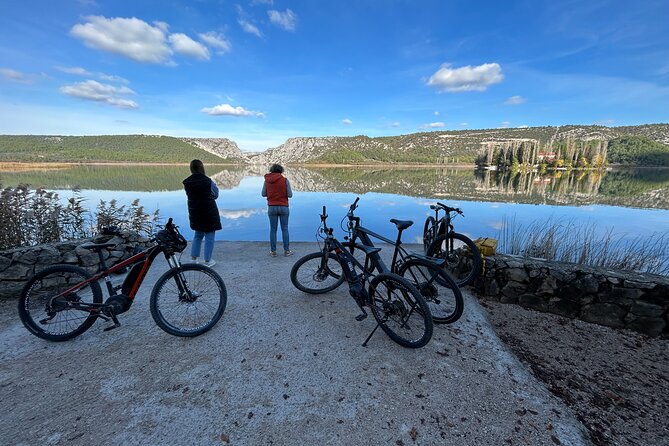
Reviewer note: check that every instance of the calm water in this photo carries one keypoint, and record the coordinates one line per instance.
(629, 201)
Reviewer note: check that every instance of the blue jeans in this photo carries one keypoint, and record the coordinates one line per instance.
(208, 244)
(275, 214)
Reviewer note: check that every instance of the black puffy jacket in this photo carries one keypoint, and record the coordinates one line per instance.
(202, 210)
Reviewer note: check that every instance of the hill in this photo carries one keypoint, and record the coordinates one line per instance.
(107, 148)
(643, 145)
(632, 145)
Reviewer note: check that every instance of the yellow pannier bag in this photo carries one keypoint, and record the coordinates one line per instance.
(487, 245)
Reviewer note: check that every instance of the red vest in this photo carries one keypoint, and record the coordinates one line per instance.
(277, 192)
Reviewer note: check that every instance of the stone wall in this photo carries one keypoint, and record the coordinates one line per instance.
(19, 264)
(621, 299)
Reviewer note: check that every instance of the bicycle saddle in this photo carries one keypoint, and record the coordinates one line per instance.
(96, 246)
(401, 224)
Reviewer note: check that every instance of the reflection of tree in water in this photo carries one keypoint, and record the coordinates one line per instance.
(561, 183)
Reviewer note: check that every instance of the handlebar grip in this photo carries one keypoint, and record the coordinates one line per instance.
(356, 201)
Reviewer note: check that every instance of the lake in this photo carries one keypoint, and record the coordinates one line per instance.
(630, 202)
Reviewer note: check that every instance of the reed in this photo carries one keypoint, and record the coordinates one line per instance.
(565, 240)
(33, 217)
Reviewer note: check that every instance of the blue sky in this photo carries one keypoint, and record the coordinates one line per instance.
(261, 71)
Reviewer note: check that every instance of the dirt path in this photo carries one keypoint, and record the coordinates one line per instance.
(280, 368)
(615, 381)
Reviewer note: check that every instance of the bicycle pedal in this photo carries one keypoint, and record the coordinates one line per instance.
(361, 317)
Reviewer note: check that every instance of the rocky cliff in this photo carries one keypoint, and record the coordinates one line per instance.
(221, 147)
(440, 147)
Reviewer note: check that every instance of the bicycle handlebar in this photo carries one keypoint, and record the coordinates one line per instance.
(446, 208)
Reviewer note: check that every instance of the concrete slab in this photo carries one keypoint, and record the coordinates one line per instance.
(281, 368)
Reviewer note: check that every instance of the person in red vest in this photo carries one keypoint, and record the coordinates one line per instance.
(277, 190)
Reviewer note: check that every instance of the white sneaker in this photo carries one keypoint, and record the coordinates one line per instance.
(210, 263)
(194, 260)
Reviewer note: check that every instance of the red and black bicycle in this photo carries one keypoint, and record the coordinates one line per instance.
(63, 301)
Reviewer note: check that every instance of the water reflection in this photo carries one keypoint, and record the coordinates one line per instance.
(647, 188)
(488, 198)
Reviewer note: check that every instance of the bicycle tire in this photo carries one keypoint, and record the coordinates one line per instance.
(442, 295)
(175, 312)
(463, 258)
(38, 294)
(394, 300)
(308, 277)
(429, 232)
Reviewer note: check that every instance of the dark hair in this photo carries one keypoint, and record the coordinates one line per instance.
(276, 168)
(196, 166)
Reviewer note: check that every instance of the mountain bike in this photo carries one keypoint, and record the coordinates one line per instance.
(441, 293)
(463, 258)
(62, 301)
(397, 306)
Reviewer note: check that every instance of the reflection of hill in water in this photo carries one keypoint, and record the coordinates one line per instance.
(122, 178)
(648, 188)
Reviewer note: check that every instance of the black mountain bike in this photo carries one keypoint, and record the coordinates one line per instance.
(427, 274)
(463, 258)
(63, 301)
(397, 306)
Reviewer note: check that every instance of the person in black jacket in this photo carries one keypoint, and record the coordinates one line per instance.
(203, 214)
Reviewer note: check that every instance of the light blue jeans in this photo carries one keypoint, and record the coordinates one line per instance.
(275, 214)
(208, 244)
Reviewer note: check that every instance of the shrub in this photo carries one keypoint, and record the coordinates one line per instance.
(30, 218)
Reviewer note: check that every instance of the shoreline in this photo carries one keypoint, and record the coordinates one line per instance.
(18, 166)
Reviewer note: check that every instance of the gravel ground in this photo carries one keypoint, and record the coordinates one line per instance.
(615, 381)
(281, 368)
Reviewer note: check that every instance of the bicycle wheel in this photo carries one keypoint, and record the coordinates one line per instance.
(317, 273)
(400, 310)
(48, 312)
(189, 300)
(429, 232)
(463, 258)
(441, 293)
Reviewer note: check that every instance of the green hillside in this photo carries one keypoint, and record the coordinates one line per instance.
(106, 148)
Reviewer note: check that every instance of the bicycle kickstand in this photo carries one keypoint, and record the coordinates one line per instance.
(364, 344)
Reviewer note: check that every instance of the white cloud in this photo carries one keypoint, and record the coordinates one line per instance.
(229, 110)
(112, 78)
(466, 78)
(262, 2)
(346, 121)
(216, 41)
(515, 100)
(75, 70)
(245, 22)
(463, 124)
(436, 113)
(395, 124)
(504, 125)
(132, 38)
(433, 125)
(524, 126)
(183, 44)
(94, 91)
(285, 20)
(249, 27)
(79, 71)
(15, 76)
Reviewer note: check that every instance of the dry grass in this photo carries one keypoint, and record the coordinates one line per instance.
(566, 241)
